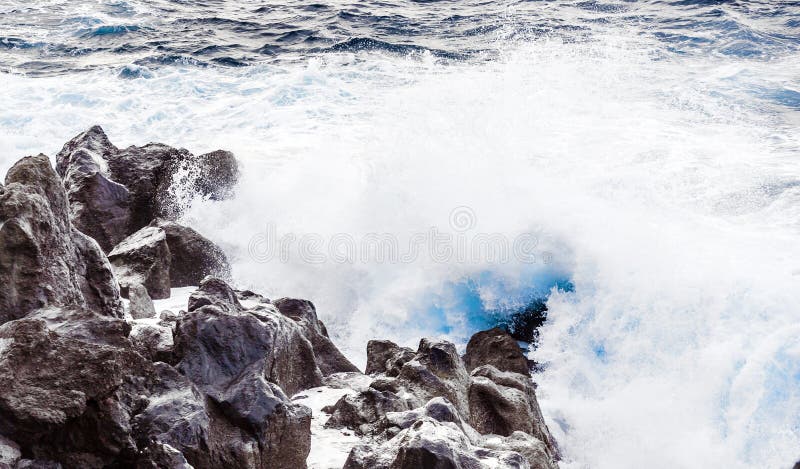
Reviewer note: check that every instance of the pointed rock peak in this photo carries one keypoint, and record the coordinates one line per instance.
(214, 291)
(92, 144)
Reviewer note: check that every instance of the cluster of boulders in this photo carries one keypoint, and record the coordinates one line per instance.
(90, 381)
(127, 200)
(433, 408)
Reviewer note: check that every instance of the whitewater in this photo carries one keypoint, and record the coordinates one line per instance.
(659, 177)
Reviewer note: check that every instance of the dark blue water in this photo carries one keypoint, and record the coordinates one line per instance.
(61, 36)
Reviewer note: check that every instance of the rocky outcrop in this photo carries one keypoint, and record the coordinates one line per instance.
(384, 356)
(451, 419)
(166, 255)
(143, 258)
(496, 347)
(329, 359)
(45, 261)
(502, 403)
(192, 256)
(141, 305)
(85, 386)
(115, 192)
(429, 443)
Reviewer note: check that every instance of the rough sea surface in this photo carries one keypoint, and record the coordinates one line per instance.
(651, 149)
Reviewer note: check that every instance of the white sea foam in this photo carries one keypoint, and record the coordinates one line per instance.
(665, 188)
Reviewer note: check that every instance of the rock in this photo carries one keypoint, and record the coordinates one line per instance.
(46, 261)
(9, 452)
(384, 356)
(143, 258)
(502, 403)
(58, 395)
(192, 257)
(328, 358)
(214, 174)
(141, 306)
(438, 408)
(532, 449)
(153, 342)
(431, 444)
(435, 371)
(158, 181)
(214, 291)
(496, 347)
(84, 325)
(214, 347)
(99, 207)
(262, 407)
(362, 411)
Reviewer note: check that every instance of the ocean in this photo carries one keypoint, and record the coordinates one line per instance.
(434, 167)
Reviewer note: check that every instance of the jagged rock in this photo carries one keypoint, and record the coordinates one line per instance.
(496, 347)
(329, 359)
(153, 342)
(213, 291)
(263, 408)
(192, 257)
(436, 370)
(155, 175)
(214, 346)
(46, 261)
(431, 444)
(143, 258)
(536, 452)
(212, 175)
(58, 395)
(109, 185)
(360, 412)
(99, 207)
(9, 452)
(502, 403)
(438, 408)
(384, 356)
(141, 306)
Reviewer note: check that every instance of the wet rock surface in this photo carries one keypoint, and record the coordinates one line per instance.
(115, 192)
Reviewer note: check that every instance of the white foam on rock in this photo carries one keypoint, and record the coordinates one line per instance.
(329, 446)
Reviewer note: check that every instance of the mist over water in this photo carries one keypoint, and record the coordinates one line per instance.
(651, 148)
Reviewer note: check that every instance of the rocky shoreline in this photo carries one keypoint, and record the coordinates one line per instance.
(94, 375)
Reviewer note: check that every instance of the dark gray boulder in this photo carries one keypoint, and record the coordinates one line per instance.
(99, 207)
(503, 402)
(328, 358)
(141, 305)
(58, 400)
(214, 291)
(496, 347)
(153, 341)
(143, 258)
(363, 411)
(384, 356)
(214, 346)
(115, 192)
(46, 261)
(192, 256)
